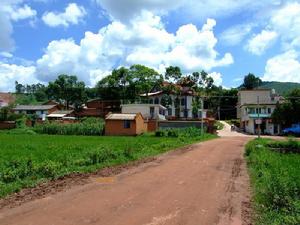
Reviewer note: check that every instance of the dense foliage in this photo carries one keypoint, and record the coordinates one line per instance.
(288, 113)
(275, 180)
(7, 115)
(251, 81)
(26, 160)
(179, 132)
(88, 127)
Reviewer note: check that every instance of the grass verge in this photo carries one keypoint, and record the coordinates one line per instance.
(275, 179)
(26, 160)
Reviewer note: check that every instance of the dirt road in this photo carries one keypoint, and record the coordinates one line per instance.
(207, 184)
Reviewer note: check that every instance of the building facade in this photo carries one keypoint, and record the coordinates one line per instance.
(41, 111)
(255, 108)
(148, 111)
(181, 106)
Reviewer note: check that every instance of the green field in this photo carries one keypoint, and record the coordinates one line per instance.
(275, 180)
(26, 160)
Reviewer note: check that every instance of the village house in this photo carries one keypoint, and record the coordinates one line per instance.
(41, 111)
(256, 107)
(181, 106)
(6, 99)
(125, 124)
(148, 111)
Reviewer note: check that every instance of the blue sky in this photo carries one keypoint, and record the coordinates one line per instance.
(40, 39)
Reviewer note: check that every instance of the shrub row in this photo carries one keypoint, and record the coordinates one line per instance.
(285, 146)
(179, 132)
(88, 127)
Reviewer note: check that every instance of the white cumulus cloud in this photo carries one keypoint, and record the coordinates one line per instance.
(284, 67)
(73, 14)
(286, 22)
(217, 78)
(259, 43)
(22, 13)
(143, 41)
(9, 73)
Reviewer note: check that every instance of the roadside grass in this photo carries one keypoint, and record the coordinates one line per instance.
(275, 179)
(26, 159)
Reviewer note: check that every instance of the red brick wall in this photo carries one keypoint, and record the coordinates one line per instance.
(152, 125)
(116, 127)
(7, 125)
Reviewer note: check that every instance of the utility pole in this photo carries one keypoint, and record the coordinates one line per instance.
(202, 125)
(258, 116)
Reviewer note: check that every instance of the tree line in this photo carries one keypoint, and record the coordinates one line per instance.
(127, 85)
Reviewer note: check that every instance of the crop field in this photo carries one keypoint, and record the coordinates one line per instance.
(274, 168)
(26, 160)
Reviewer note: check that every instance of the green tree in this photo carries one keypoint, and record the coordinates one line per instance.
(196, 105)
(166, 101)
(19, 88)
(251, 81)
(288, 112)
(128, 84)
(67, 90)
(143, 79)
(173, 73)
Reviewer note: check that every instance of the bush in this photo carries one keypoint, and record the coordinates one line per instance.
(285, 146)
(21, 131)
(21, 122)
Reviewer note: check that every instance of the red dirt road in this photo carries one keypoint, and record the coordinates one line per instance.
(206, 185)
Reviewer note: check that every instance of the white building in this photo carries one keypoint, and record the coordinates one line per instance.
(182, 104)
(148, 111)
(256, 106)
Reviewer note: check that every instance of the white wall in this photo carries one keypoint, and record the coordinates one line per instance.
(189, 100)
(142, 108)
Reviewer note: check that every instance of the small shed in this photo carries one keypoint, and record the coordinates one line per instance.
(124, 124)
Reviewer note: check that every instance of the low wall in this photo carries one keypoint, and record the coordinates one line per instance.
(152, 125)
(4, 125)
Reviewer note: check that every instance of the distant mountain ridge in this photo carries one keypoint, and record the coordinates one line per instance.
(281, 88)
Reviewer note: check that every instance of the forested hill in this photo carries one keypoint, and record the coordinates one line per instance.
(281, 88)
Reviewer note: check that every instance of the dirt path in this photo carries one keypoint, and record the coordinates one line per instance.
(206, 185)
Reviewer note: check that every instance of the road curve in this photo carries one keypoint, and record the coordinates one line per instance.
(208, 184)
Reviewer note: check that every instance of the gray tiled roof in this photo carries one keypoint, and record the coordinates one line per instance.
(33, 107)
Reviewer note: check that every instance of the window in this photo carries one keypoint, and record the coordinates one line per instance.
(169, 111)
(182, 101)
(126, 124)
(269, 111)
(151, 101)
(186, 113)
(156, 101)
(152, 112)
